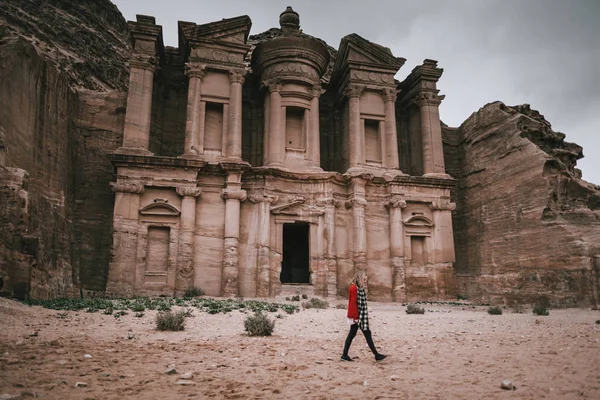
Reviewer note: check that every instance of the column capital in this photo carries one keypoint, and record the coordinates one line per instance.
(263, 198)
(237, 76)
(143, 61)
(229, 194)
(389, 95)
(127, 187)
(188, 191)
(353, 91)
(195, 70)
(316, 90)
(395, 203)
(273, 85)
(428, 99)
(330, 201)
(358, 202)
(442, 205)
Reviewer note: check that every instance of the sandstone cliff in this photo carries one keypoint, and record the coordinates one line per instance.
(55, 202)
(525, 225)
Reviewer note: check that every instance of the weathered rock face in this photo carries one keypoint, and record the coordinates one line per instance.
(525, 225)
(54, 209)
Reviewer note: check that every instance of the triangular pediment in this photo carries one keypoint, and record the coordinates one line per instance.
(355, 49)
(297, 208)
(234, 30)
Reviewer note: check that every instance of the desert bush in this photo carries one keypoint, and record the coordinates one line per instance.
(494, 310)
(315, 303)
(259, 325)
(540, 309)
(414, 309)
(170, 321)
(193, 292)
(296, 298)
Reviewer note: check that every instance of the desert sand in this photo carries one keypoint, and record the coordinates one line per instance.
(450, 352)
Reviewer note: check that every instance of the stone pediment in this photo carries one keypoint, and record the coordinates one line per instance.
(297, 208)
(235, 30)
(419, 221)
(160, 207)
(358, 51)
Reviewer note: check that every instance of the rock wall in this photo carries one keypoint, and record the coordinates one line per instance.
(525, 225)
(56, 205)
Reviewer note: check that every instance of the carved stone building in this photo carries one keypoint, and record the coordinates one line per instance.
(248, 167)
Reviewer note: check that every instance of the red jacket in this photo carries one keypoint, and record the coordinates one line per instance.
(353, 302)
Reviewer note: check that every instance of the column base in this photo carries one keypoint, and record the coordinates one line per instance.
(138, 151)
(437, 175)
(192, 156)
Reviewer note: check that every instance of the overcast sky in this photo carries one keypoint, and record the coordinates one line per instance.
(542, 52)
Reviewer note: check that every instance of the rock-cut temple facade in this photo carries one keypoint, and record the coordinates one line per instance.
(259, 169)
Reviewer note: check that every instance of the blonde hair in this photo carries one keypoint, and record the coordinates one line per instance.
(356, 278)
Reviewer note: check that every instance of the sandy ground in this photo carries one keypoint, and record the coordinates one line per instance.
(447, 353)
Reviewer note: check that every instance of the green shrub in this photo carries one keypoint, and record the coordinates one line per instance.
(259, 325)
(495, 310)
(170, 321)
(540, 309)
(193, 292)
(296, 298)
(315, 303)
(414, 309)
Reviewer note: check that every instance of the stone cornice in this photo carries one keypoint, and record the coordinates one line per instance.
(127, 187)
(188, 191)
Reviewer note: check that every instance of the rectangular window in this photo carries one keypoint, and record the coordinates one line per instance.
(213, 127)
(372, 141)
(295, 127)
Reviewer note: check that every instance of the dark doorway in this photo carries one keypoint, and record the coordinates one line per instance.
(294, 268)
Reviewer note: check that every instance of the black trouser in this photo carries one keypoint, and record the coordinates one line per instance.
(352, 333)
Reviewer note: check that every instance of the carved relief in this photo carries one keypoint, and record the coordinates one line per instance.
(290, 67)
(122, 187)
(217, 55)
(376, 77)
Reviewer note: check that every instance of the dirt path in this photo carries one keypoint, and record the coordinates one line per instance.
(447, 353)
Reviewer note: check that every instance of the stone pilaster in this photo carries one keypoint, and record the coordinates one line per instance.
(136, 135)
(122, 268)
(431, 131)
(443, 237)
(184, 277)
(194, 126)
(359, 231)
(276, 140)
(233, 145)
(395, 207)
(232, 195)
(355, 131)
(330, 204)
(314, 144)
(391, 136)
(263, 260)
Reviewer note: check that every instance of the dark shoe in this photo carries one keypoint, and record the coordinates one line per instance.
(346, 357)
(380, 357)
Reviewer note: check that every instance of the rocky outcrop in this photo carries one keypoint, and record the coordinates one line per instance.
(526, 224)
(55, 202)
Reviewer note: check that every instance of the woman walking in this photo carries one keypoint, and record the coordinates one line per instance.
(358, 315)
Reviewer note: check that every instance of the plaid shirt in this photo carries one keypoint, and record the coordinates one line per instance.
(363, 312)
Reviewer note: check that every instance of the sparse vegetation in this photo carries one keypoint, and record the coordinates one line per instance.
(193, 292)
(494, 310)
(170, 321)
(414, 309)
(461, 297)
(541, 306)
(316, 303)
(259, 325)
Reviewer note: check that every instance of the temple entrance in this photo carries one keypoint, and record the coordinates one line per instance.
(295, 265)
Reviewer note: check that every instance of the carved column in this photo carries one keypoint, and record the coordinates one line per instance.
(443, 238)
(184, 278)
(355, 132)
(122, 269)
(233, 195)
(314, 144)
(391, 136)
(330, 204)
(233, 147)
(194, 125)
(395, 207)
(266, 129)
(136, 135)
(359, 231)
(431, 131)
(276, 139)
(263, 261)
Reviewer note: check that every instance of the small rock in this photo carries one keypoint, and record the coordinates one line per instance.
(87, 356)
(171, 370)
(187, 375)
(507, 385)
(598, 322)
(81, 384)
(365, 383)
(394, 377)
(34, 334)
(184, 382)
